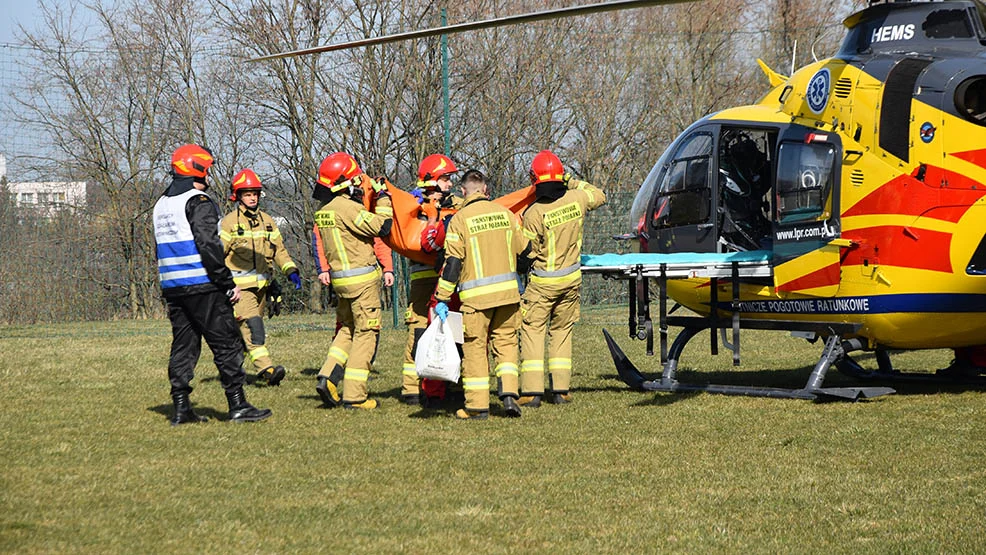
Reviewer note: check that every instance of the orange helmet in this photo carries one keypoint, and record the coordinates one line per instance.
(546, 167)
(338, 171)
(433, 167)
(191, 160)
(246, 180)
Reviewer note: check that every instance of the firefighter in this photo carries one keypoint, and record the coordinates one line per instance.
(254, 249)
(433, 191)
(343, 243)
(553, 223)
(198, 288)
(482, 246)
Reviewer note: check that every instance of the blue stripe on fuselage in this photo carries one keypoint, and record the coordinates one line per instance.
(876, 304)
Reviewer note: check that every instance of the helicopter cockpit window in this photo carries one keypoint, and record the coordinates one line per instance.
(805, 175)
(947, 24)
(684, 196)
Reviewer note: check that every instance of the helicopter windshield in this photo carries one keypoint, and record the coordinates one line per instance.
(646, 193)
(804, 180)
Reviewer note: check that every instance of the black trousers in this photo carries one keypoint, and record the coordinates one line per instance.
(208, 315)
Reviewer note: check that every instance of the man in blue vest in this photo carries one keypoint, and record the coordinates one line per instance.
(198, 288)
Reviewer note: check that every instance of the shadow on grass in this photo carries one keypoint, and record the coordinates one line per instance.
(665, 399)
(212, 414)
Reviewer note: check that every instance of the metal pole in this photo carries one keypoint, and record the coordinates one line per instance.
(445, 81)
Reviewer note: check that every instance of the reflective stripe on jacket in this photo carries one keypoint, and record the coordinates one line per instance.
(487, 238)
(555, 231)
(343, 241)
(254, 247)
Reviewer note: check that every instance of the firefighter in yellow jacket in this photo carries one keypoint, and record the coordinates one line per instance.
(553, 223)
(343, 245)
(254, 249)
(433, 192)
(482, 246)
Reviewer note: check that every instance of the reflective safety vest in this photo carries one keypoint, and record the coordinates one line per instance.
(179, 263)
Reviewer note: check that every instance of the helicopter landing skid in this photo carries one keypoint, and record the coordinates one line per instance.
(669, 383)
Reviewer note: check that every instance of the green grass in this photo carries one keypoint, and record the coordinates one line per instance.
(91, 464)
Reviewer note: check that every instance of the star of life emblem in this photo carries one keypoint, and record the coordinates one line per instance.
(817, 94)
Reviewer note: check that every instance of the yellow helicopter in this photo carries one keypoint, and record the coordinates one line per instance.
(846, 204)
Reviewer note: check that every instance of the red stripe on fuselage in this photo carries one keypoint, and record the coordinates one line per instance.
(977, 157)
(890, 245)
(942, 195)
(823, 277)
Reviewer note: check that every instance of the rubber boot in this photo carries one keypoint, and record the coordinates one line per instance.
(183, 411)
(242, 411)
(530, 401)
(368, 404)
(272, 375)
(464, 414)
(328, 388)
(511, 407)
(561, 398)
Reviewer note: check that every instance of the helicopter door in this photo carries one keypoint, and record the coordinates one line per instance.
(680, 217)
(806, 224)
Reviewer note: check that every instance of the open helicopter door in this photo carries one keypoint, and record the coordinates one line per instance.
(806, 213)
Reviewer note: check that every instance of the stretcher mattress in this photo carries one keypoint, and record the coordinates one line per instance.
(680, 264)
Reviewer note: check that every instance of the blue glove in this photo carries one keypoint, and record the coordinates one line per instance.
(295, 279)
(441, 310)
(419, 195)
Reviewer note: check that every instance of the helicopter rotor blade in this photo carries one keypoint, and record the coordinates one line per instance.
(476, 25)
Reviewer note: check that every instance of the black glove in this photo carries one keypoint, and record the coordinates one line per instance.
(274, 298)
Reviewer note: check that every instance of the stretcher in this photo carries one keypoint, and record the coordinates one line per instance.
(639, 269)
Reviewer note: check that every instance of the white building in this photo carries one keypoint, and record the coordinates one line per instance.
(49, 194)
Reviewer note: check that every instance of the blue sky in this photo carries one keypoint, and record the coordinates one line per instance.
(14, 12)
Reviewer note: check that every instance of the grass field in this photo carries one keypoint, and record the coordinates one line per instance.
(91, 464)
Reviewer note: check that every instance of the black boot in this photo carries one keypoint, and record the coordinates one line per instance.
(271, 376)
(328, 388)
(242, 411)
(511, 407)
(183, 411)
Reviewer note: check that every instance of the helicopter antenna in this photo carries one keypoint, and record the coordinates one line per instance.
(818, 40)
(476, 25)
(794, 55)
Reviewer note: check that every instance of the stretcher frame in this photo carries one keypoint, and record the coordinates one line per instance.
(640, 269)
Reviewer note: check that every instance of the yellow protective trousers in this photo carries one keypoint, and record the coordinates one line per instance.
(356, 343)
(416, 318)
(555, 310)
(498, 326)
(249, 312)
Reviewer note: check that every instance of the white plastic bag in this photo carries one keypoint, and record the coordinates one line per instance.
(436, 356)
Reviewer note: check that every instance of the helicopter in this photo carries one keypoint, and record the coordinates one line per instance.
(845, 205)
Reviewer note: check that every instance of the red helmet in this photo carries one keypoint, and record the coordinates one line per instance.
(246, 180)
(546, 167)
(191, 160)
(337, 171)
(433, 167)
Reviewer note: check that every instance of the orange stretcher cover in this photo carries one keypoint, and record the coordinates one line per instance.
(405, 235)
